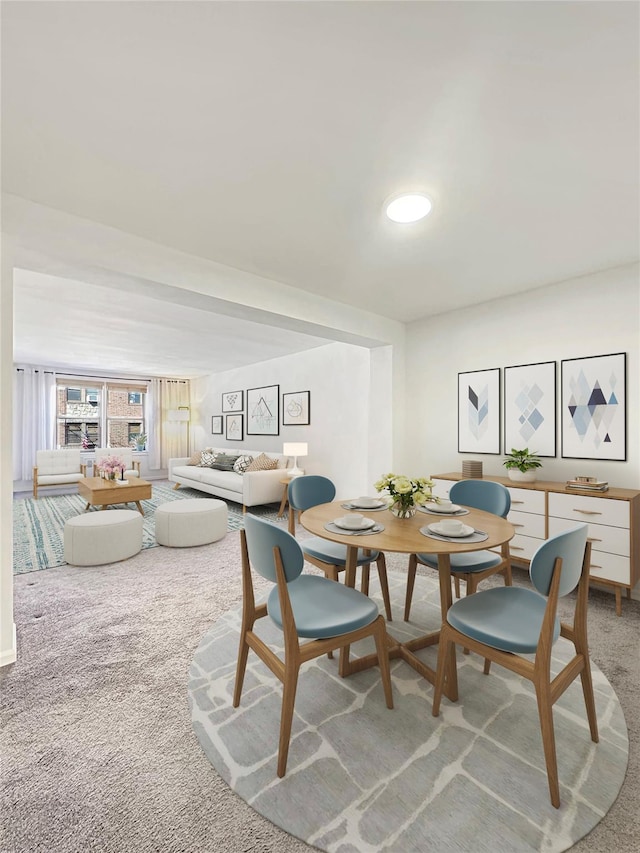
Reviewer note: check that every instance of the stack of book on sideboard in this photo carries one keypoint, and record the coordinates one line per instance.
(588, 484)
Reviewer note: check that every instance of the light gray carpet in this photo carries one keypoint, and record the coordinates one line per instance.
(361, 777)
(98, 751)
(38, 525)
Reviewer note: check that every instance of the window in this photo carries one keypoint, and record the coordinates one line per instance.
(105, 415)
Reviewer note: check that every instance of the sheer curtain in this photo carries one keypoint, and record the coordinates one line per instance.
(34, 417)
(168, 440)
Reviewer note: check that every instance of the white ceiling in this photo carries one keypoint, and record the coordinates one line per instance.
(266, 136)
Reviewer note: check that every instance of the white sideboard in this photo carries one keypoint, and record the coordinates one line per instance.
(543, 508)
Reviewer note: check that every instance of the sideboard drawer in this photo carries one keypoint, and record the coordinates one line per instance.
(610, 567)
(527, 523)
(526, 500)
(585, 508)
(441, 488)
(524, 547)
(614, 540)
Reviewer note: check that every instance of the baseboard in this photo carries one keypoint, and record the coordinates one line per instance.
(10, 655)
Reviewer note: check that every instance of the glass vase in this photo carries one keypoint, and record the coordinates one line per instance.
(403, 510)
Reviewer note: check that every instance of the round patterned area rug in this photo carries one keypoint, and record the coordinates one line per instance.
(363, 778)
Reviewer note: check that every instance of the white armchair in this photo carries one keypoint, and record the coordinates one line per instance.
(57, 468)
(132, 467)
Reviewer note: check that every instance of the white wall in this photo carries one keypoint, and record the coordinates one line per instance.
(343, 380)
(7, 627)
(592, 315)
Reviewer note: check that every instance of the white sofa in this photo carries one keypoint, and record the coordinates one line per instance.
(252, 488)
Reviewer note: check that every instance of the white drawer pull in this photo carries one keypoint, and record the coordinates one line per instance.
(517, 502)
(517, 525)
(593, 566)
(515, 548)
(587, 512)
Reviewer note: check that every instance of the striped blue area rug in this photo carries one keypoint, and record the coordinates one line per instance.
(38, 525)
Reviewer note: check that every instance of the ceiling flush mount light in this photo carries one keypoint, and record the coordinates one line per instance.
(409, 207)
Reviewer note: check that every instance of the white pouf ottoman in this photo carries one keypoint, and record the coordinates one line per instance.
(196, 521)
(107, 536)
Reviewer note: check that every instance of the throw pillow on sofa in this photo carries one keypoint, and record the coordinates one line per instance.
(224, 462)
(242, 463)
(195, 458)
(263, 463)
(207, 459)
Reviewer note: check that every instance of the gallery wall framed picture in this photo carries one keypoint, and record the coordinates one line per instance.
(234, 427)
(479, 411)
(594, 407)
(530, 408)
(296, 408)
(216, 424)
(233, 401)
(263, 410)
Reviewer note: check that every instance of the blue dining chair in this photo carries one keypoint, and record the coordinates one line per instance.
(504, 623)
(472, 566)
(309, 491)
(329, 615)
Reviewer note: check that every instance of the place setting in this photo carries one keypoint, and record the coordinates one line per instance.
(453, 530)
(368, 503)
(442, 507)
(354, 524)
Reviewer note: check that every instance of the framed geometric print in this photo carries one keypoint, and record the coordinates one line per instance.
(479, 411)
(530, 408)
(234, 427)
(263, 410)
(232, 401)
(296, 408)
(594, 407)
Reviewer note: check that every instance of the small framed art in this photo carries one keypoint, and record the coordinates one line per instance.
(263, 410)
(530, 407)
(296, 408)
(233, 401)
(479, 411)
(234, 427)
(216, 424)
(594, 407)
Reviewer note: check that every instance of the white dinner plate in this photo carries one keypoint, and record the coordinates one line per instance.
(445, 510)
(437, 528)
(365, 524)
(375, 505)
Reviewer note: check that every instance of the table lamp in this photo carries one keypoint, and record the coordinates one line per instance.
(295, 449)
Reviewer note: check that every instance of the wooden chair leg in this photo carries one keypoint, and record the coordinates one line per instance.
(243, 653)
(380, 637)
(286, 719)
(411, 579)
(364, 582)
(381, 565)
(331, 572)
(456, 584)
(446, 649)
(545, 710)
(589, 701)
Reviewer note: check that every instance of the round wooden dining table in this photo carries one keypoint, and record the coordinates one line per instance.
(403, 536)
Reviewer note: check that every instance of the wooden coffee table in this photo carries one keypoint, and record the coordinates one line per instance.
(100, 492)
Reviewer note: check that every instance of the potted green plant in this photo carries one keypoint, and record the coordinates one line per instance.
(521, 465)
(140, 440)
